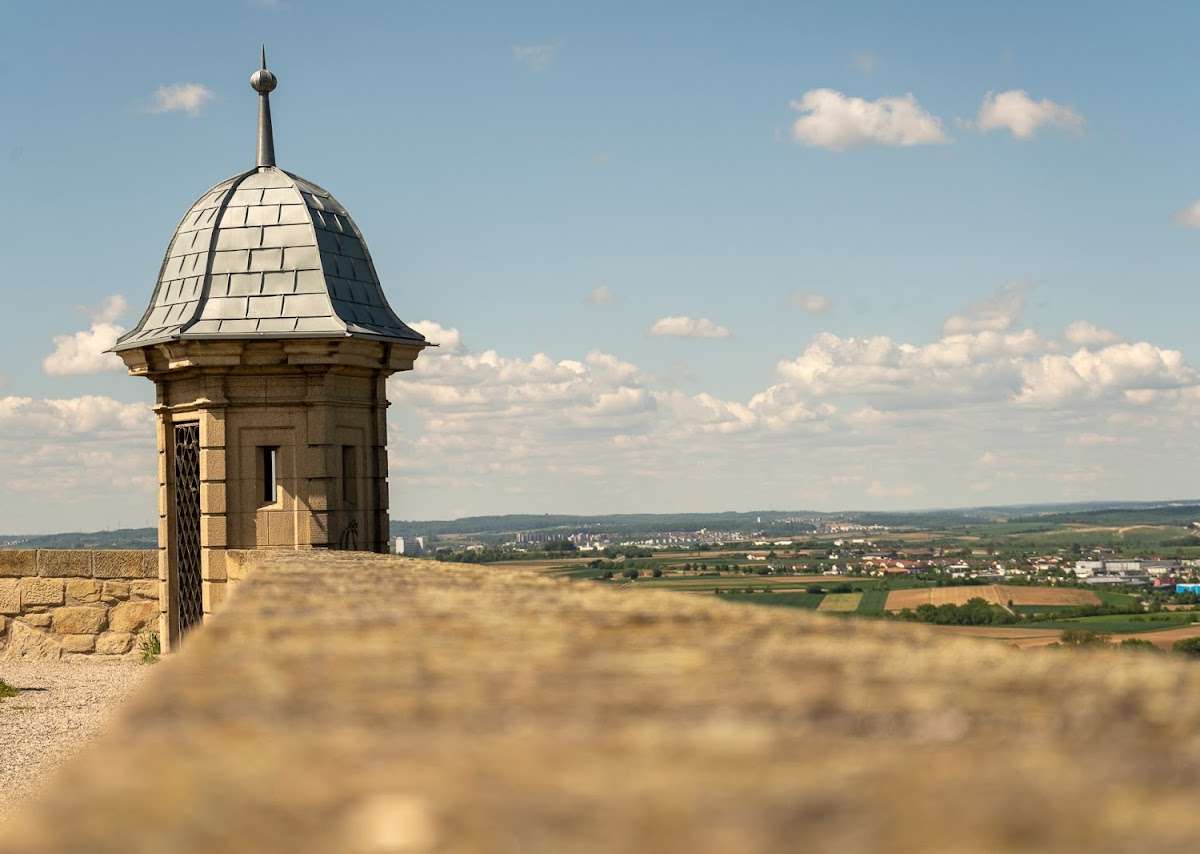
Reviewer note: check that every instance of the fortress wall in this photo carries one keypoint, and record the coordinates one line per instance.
(363, 703)
(56, 603)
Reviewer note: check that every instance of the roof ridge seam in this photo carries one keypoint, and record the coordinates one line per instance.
(158, 282)
(312, 228)
(206, 279)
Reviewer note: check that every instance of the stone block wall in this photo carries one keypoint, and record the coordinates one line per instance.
(57, 603)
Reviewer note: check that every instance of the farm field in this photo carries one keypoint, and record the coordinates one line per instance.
(701, 583)
(1030, 637)
(873, 602)
(996, 594)
(1123, 623)
(785, 600)
(1166, 638)
(846, 603)
(547, 564)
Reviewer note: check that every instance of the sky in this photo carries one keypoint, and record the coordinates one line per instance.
(679, 256)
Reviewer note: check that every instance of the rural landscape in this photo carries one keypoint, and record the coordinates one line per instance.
(1017, 576)
(719, 428)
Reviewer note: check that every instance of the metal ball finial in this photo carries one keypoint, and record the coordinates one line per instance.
(263, 81)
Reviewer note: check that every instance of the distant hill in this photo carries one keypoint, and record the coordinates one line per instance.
(122, 538)
(1182, 513)
(621, 523)
(768, 521)
(789, 521)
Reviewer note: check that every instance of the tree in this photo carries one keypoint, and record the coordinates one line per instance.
(1139, 645)
(1083, 637)
(657, 572)
(1188, 646)
(632, 573)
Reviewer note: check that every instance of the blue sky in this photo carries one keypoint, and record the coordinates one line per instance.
(506, 160)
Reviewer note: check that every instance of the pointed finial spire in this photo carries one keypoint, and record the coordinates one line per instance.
(263, 82)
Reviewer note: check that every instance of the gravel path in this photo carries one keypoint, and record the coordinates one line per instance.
(62, 707)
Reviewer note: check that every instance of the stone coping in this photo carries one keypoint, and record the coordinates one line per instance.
(79, 563)
(361, 703)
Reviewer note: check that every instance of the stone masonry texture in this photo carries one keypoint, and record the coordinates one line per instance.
(361, 703)
(58, 603)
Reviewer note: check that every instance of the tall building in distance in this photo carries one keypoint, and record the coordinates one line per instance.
(411, 546)
(269, 341)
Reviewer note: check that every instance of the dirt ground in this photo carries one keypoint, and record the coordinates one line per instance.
(997, 594)
(1031, 638)
(62, 706)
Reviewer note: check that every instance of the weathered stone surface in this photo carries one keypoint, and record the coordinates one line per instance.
(133, 616)
(114, 643)
(60, 563)
(79, 620)
(354, 703)
(77, 643)
(10, 596)
(114, 591)
(125, 563)
(26, 642)
(83, 590)
(41, 591)
(39, 621)
(15, 563)
(143, 589)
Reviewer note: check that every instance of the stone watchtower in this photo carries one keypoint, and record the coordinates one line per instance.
(269, 342)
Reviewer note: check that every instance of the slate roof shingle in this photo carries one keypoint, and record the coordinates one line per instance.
(267, 254)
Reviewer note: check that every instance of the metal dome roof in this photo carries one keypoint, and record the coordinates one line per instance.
(267, 254)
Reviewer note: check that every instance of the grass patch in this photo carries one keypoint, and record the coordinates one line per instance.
(7, 690)
(872, 602)
(1044, 609)
(1119, 623)
(1111, 597)
(150, 647)
(845, 603)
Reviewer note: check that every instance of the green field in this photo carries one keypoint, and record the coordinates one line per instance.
(1121, 600)
(786, 600)
(872, 603)
(1120, 623)
(1049, 610)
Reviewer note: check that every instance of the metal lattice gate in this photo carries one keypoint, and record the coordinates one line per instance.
(187, 525)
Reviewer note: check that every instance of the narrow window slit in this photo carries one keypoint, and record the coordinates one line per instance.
(270, 469)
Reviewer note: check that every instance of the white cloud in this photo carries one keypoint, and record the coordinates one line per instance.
(448, 340)
(72, 416)
(1189, 217)
(601, 295)
(960, 367)
(682, 326)
(1019, 114)
(842, 421)
(82, 353)
(1130, 369)
(996, 313)
(1084, 334)
(188, 98)
(830, 119)
(812, 303)
(536, 57)
(89, 459)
